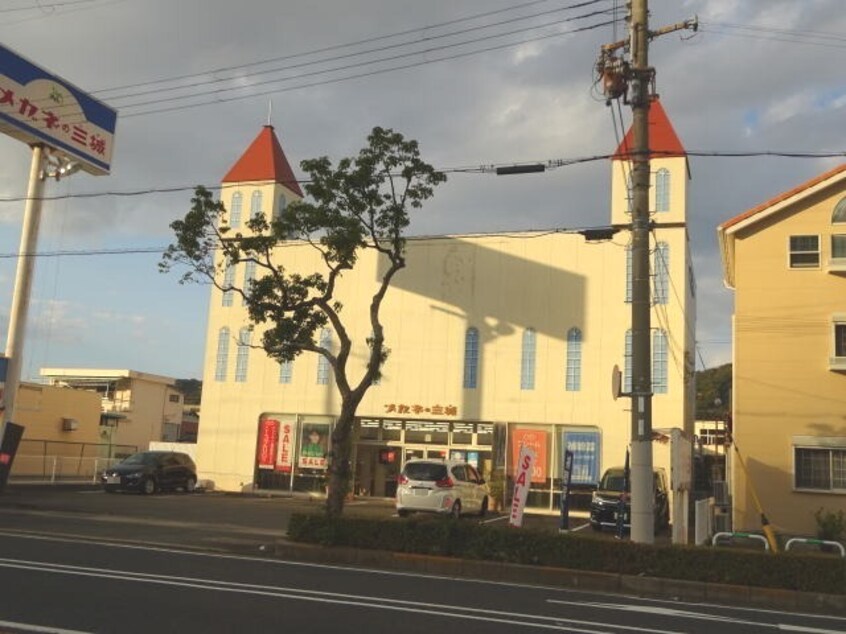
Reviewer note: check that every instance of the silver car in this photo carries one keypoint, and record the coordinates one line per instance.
(449, 487)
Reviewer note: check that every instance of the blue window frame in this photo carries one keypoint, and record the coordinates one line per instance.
(235, 210)
(573, 381)
(527, 360)
(323, 362)
(661, 266)
(286, 372)
(222, 357)
(242, 358)
(662, 190)
(255, 204)
(627, 363)
(228, 281)
(471, 358)
(659, 362)
(249, 276)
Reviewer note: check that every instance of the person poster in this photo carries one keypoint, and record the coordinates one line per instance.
(314, 446)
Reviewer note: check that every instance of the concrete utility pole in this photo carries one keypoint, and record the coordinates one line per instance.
(636, 78)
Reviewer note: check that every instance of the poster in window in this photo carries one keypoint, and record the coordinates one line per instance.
(585, 448)
(535, 439)
(285, 457)
(314, 446)
(267, 443)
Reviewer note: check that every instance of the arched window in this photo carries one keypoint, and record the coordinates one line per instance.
(255, 204)
(573, 381)
(222, 358)
(839, 214)
(661, 267)
(228, 281)
(235, 211)
(286, 371)
(283, 204)
(471, 358)
(323, 362)
(659, 362)
(629, 274)
(662, 190)
(627, 363)
(243, 357)
(527, 361)
(249, 276)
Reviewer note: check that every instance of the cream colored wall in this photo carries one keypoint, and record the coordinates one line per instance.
(783, 341)
(41, 409)
(677, 166)
(149, 408)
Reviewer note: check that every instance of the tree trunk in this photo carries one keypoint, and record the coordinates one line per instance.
(340, 466)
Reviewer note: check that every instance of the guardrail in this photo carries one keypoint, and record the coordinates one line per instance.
(815, 542)
(55, 469)
(732, 536)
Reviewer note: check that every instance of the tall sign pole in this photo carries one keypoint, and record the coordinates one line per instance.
(633, 80)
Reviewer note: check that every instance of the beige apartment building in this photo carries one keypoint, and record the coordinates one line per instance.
(786, 261)
(496, 340)
(136, 407)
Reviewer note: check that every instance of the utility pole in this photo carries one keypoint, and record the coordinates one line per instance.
(635, 80)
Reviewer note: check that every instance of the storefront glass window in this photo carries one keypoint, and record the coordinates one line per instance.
(538, 438)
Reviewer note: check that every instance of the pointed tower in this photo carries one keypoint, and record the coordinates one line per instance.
(261, 181)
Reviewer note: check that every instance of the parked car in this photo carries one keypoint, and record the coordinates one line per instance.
(605, 501)
(448, 487)
(151, 471)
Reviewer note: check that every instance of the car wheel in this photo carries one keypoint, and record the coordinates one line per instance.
(190, 484)
(148, 487)
(402, 512)
(455, 511)
(484, 510)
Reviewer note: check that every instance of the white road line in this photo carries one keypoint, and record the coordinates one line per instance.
(28, 627)
(809, 630)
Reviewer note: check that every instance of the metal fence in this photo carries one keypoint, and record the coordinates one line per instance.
(57, 461)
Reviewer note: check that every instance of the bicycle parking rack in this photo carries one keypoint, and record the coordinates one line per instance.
(731, 536)
(815, 542)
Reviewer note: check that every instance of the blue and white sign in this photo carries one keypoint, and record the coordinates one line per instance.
(39, 107)
(585, 446)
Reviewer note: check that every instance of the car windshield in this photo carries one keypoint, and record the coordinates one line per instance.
(612, 481)
(425, 471)
(141, 458)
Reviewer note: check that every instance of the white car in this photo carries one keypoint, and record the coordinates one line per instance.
(449, 487)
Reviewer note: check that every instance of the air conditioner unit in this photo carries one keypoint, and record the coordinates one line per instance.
(70, 424)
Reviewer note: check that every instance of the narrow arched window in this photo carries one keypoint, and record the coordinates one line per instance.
(527, 361)
(662, 190)
(629, 274)
(839, 214)
(222, 357)
(243, 356)
(627, 363)
(235, 210)
(228, 281)
(659, 362)
(255, 204)
(573, 382)
(471, 358)
(661, 267)
(286, 371)
(283, 204)
(323, 362)
(249, 276)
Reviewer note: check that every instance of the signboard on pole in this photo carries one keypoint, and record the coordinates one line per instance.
(566, 477)
(522, 483)
(39, 107)
(11, 438)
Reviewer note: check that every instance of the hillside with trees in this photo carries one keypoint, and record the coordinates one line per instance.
(713, 384)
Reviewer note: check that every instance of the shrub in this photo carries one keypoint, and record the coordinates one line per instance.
(831, 526)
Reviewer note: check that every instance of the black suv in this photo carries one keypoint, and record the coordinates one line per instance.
(151, 471)
(606, 499)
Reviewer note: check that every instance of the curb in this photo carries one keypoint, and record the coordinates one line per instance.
(586, 580)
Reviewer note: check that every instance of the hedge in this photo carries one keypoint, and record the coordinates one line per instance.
(436, 536)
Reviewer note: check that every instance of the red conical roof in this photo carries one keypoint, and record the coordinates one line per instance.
(663, 141)
(264, 160)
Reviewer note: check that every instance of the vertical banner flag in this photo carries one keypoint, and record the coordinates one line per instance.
(4, 364)
(522, 483)
(285, 456)
(566, 477)
(268, 442)
(11, 438)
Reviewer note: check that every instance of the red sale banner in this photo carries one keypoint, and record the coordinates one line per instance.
(268, 439)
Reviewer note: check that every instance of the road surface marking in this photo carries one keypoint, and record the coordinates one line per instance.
(809, 630)
(42, 629)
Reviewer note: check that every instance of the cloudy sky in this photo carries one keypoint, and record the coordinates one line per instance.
(483, 82)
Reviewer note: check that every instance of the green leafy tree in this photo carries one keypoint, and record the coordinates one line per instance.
(363, 202)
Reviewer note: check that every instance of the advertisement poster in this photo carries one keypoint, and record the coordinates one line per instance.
(536, 439)
(585, 448)
(285, 457)
(314, 446)
(524, 467)
(268, 442)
